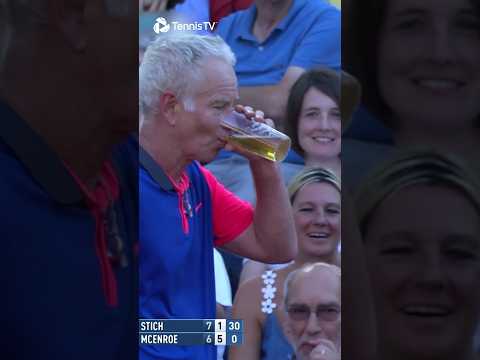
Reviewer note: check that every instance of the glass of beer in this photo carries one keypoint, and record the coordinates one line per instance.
(256, 137)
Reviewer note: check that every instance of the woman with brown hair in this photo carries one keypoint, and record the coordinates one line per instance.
(319, 108)
(419, 66)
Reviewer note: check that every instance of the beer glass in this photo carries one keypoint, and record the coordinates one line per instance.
(256, 137)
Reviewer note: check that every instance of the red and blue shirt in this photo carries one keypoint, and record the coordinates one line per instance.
(180, 223)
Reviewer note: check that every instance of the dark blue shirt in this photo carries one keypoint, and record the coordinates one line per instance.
(53, 305)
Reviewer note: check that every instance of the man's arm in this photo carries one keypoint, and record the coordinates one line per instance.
(272, 99)
(271, 238)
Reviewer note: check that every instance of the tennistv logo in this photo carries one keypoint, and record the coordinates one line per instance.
(162, 26)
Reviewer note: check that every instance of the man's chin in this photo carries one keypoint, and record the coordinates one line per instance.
(208, 157)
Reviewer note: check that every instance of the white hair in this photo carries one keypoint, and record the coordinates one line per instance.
(292, 276)
(173, 62)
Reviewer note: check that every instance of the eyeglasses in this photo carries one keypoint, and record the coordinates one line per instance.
(323, 312)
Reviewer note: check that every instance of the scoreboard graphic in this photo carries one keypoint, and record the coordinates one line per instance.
(186, 332)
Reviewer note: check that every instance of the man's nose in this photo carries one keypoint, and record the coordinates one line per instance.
(313, 325)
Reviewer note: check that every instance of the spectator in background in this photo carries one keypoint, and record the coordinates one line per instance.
(275, 42)
(209, 10)
(187, 85)
(419, 65)
(191, 11)
(319, 108)
(196, 10)
(68, 189)
(419, 216)
(221, 8)
(312, 302)
(316, 115)
(316, 202)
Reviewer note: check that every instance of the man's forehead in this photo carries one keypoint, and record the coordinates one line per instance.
(318, 297)
(215, 67)
(215, 79)
(221, 94)
(321, 286)
(221, 91)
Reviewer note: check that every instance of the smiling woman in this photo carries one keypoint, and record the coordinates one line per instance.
(316, 203)
(319, 107)
(419, 66)
(313, 116)
(420, 220)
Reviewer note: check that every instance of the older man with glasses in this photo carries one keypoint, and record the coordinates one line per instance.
(313, 304)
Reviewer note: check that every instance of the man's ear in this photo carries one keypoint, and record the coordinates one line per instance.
(70, 19)
(169, 106)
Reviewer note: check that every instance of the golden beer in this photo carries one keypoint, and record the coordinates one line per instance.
(256, 137)
(274, 149)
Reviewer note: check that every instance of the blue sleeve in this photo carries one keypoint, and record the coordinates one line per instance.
(321, 44)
